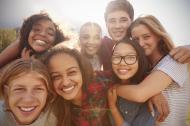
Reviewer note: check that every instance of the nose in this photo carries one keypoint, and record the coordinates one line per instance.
(90, 41)
(117, 24)
(28, 97)
(42, 32)
(141, 42)
(122, 62)
(66, 81)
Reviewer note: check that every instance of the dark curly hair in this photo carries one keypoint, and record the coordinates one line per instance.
(27, 27)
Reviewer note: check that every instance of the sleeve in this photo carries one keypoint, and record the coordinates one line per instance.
(177, 71)
(126, 124)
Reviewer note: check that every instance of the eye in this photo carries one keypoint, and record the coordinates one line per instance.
(73, 72)
(19, 89)
(85, 37)
(40, 89)
(97, 37)
(136, 38)
(51, 32)
(36, 29)
(56, 77)
(124, 20)
(131, 57)
(111, 21)
(146, 37)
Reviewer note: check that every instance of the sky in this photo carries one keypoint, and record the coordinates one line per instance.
(173, 14)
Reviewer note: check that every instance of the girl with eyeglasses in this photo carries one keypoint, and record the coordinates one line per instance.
(129, 66)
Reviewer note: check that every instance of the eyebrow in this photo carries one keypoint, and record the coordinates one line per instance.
(49, 28)
(67, 69)
(130, 53)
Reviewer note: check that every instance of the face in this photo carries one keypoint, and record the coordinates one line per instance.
(27, 96)
(117, 24)
(42, 35)
(147, 39)
(66, 76)
(90, 39)
(122, 70)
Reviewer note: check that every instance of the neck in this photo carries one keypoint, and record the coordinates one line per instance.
(78, 99)
(155, 57)
(126, 82)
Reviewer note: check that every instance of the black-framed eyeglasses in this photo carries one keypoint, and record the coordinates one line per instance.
(128, 59)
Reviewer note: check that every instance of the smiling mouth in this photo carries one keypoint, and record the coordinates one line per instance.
(27, 109)
(123, 71)
(68, 89)
(40, 42)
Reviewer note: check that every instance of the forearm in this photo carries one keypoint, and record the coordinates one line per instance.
(150, 86)
(131, 93)
(118, 119)
(9, 53)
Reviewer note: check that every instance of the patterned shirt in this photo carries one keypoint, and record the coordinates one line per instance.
(94, 110)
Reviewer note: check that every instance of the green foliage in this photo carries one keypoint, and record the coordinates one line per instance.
(6, 37)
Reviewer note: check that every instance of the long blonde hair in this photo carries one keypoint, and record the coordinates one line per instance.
(153, 24)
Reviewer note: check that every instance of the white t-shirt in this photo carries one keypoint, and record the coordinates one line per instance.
(178, 92)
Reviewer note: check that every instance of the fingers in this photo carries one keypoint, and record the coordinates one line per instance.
(181, 54)
(25, 53)
(112, 97)
(160, 112)
(177, 53)
(151, 108)
(165, 110)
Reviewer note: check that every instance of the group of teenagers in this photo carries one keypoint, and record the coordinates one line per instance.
(134, 78)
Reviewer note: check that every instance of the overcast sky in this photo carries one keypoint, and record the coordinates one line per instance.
(173, 14)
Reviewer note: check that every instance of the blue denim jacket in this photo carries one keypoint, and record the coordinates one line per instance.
(135, 114)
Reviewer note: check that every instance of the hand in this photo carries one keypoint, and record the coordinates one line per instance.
(26, 53)
(161, 105)
(112, 97)
(181, 54)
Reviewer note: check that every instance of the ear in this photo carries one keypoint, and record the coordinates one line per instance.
(6, 90)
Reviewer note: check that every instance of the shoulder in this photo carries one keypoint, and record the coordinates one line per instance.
(177, 71)
(5, 117)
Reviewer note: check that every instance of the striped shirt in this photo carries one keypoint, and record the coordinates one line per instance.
(178, 92)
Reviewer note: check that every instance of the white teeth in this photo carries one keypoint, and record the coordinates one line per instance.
(123, 71)
(40, 42)
(27, 109)
(68, 89)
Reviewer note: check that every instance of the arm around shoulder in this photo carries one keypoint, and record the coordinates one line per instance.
(154, 83)
(9, 53)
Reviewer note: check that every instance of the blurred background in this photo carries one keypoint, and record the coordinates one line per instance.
(71, 14)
